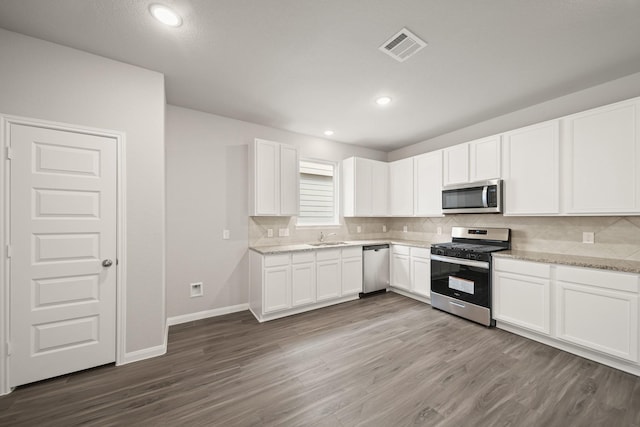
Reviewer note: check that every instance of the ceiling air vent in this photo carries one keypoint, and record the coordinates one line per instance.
(402, 45)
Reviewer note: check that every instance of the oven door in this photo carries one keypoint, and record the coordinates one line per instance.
(462, 279)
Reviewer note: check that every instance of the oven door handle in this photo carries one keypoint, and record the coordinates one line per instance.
(460, 261)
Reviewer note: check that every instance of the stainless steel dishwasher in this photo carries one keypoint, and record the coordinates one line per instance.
(375, 269)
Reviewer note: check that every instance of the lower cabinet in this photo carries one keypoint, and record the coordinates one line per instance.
(521, 294)
(329, 277)
(598, 310)
(411, 269)
(303, 278)
(351, 270)
(591, 312)
(289, 283)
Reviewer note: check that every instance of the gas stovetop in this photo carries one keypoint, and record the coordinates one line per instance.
(474, 243)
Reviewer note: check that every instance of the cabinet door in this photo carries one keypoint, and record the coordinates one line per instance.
(379, 188)
(363, 189)
(428, 184)
(484, 159)
(303, 284)
(601, 160)
(421, 276)
(456, 164)
(401, 187)
(328, 279)
(266, 178)
(277, 285)
(400, 271)
(531, 170)
(600, 319)
(522, 300)
(351, 275)
(289, 180)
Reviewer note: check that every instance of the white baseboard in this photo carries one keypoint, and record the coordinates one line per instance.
(176, 320)
(145, 353)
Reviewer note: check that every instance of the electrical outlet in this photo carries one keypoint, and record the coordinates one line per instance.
(439, 231)
(588, 237)
(226, 234)
(283, 232)
(286, 232)
(405, 228)
(384, 228)
(358, 229)
(196, 289)
(269, 232)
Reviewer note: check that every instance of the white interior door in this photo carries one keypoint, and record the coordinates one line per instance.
(63, 226)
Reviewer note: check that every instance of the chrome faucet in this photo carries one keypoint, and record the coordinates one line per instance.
(322, 236)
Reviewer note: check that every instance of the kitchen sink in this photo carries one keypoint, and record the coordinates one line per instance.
(326, 243)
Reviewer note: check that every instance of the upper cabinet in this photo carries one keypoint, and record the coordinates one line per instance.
(427, 185)
(601, 160)
(273, 179)
(456, 164)
(401, 187)
(531, 159)
(477, 160)
(365, 187)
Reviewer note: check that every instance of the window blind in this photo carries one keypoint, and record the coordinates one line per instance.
(317, 193)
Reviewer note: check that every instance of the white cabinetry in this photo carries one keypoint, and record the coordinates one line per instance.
(273, 179)
(365, 185)
(598, 310)
(531, 170)
(421, 271)
(328, 275)
(484, 159)
(351, 271)
(427, 172)
(411, 269)
(477, 160)
(401, 187)
(521, 294)
(601, 160)
(400, 267)
(277, 283)
(289, 283)
(456, 164)
(303, 278)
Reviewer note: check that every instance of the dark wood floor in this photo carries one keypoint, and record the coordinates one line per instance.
(381, 361)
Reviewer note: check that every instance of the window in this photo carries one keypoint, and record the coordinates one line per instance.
(318, 195)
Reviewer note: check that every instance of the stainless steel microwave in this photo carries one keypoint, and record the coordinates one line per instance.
(475, 197)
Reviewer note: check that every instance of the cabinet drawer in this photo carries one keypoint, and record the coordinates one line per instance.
(324, 254)
(421, 252)
(402, 250)
(527, 268)
(353, 252)
(600, 278)
(305, 256)
(275, 260)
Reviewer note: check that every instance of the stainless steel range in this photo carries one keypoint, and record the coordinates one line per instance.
(461, 272)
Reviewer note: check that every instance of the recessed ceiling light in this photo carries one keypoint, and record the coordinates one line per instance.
(165, 15)
(383, 100)
(329, 132)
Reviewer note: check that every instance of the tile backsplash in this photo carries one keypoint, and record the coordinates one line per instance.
(615, 237)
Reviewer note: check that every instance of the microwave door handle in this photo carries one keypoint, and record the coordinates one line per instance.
(485, 202)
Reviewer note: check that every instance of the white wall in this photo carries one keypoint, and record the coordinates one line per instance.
(207, 192)
(606, 93)
(46, 81)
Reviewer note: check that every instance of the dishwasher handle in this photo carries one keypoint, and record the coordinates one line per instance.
(374, 247)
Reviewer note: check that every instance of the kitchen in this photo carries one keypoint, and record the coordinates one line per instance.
(79, 89)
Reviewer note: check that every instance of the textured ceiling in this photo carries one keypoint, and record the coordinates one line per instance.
(310, 65)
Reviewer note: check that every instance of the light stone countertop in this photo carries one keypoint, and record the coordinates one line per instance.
(276, 249)
(627, 266)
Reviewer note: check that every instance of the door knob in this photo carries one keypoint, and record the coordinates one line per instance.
(107, 263)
